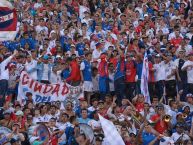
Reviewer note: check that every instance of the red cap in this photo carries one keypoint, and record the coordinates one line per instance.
(81, 99)
(11, 65)
(42, 8)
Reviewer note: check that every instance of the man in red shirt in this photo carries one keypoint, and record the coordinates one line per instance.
(177, 40)
(130, 75)
(158, 119)
(75, 77)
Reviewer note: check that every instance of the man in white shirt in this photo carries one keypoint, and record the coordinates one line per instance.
(4, 77)
(173, 34)
(170, 72)
(159, 75)
(87, 18)
(188, 66)
(190, 34)
(41, 27)
(179, 136)
(64, 121)
(97, 52)
(31, 67)
(44, 70)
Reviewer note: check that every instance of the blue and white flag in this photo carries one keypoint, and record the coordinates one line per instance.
(8, 21)
(144, 79)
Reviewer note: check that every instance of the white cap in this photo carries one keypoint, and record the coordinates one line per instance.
(19, 113)
(58, 56)
(146, 15)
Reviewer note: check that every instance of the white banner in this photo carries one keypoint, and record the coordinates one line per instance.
(44, 92)
(111, 134)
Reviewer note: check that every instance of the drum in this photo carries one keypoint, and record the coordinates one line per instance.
(3, 132)
(40, 131)
(87, 130)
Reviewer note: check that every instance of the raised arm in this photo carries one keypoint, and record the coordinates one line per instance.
(7, 60)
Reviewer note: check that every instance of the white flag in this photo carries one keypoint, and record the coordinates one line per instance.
(110, 132)
(144, 79)
(5, 3)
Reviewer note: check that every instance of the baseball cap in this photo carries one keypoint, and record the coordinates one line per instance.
(81, 99)
(146, 15)
(100, 101)
(189, 95)
(160, 105)
(179, 113)
(19, 113)
(6, 112)
(72, 45)
(185, 107)
(98, 45)
(157, 55)
(46, 57)
(181, 50)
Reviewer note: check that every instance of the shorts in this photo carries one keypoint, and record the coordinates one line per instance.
(87, 86)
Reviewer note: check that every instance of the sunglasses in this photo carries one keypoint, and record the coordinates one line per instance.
(159, 108)
(132, 135)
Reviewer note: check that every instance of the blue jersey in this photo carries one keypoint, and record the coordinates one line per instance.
(63, 40)
(65, 73)
(148, 137)
(67, 47)
(120, 72)
(87, 74)
(139, 70)
(80, 48)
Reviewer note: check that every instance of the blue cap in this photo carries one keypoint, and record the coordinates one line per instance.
(45, 57)
(98, 44)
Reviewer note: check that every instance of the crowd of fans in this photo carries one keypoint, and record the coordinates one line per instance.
(100, 45)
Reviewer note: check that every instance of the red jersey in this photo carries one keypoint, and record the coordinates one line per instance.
(75, 72)
(132, 47)
(139, 107)
(103, 68)
(130, 72)
(75, 5)
(54, 140)
(160, 126)
(116, 30)
(113, 60)
(176, 41)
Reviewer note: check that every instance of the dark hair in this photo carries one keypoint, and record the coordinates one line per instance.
(17, 105)
(93, 70)
(84, 109)
(171, 102)
(65, 114)
(87, 53)
(53, 119)
(72, 118)
(53, 106)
